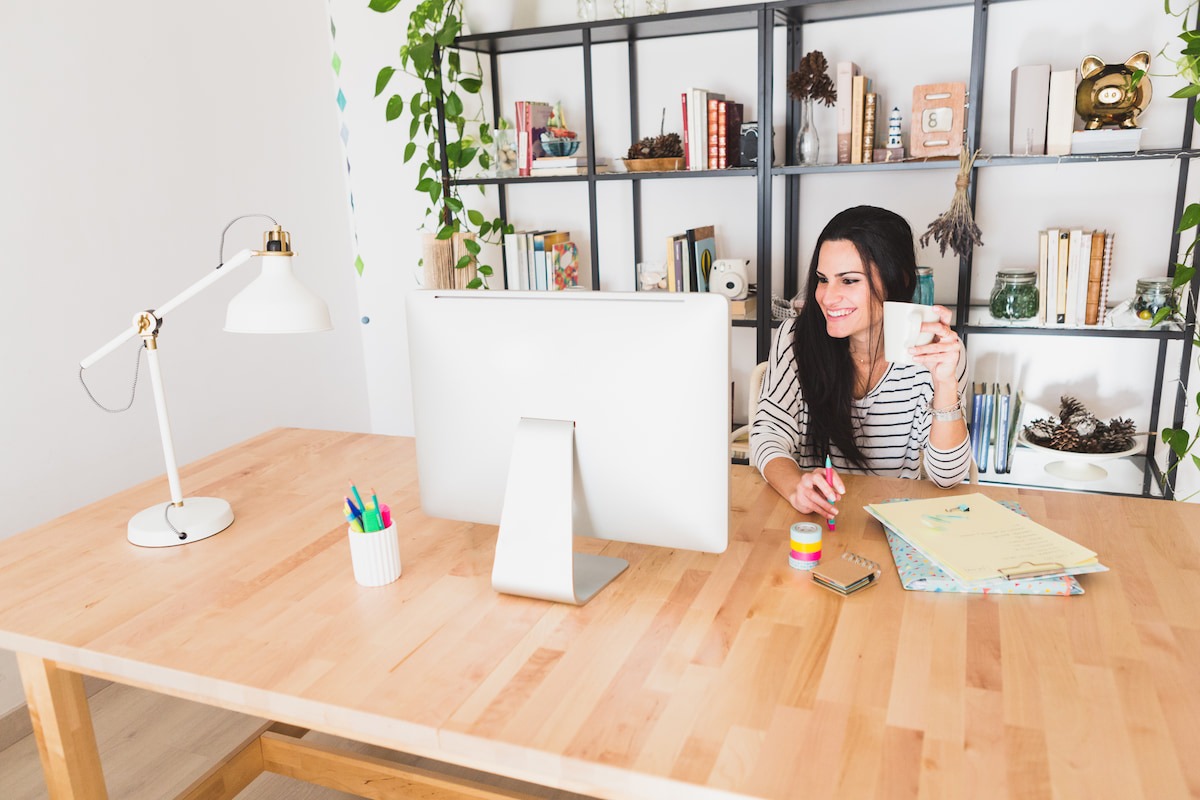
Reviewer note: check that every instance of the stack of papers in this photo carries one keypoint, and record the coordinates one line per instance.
(978, 542)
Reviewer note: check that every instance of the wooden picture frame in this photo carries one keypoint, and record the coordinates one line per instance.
(938, 119)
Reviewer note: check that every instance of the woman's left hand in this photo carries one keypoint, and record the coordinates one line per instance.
(940, 355)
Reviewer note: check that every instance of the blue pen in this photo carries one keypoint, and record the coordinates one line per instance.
(353, 508)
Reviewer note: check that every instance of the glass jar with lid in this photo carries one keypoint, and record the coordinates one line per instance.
(924, 292)
(1153, 294)
(1015, 295)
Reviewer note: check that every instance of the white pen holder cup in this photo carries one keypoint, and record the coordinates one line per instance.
(375, 555)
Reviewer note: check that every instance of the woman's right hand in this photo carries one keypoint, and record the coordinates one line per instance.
(812, 494)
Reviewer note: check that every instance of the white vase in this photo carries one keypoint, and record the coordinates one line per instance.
(488, 16)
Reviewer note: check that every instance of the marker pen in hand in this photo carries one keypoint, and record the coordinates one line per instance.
(829, 480)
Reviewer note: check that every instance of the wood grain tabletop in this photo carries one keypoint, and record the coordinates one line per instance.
(692, 675)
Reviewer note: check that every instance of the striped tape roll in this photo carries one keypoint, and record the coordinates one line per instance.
(813, 556)
(806, 547)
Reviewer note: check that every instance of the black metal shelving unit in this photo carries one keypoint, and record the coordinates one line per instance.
(792, 15)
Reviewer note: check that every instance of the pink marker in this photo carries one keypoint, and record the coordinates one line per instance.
(829, 480)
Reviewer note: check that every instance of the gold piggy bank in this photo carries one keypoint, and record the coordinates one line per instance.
(1106, 94)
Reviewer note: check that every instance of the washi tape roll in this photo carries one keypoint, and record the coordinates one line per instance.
(806, 546)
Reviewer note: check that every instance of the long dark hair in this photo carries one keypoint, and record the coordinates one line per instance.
(826, 370)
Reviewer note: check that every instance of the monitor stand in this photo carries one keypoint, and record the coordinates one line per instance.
(535, 551)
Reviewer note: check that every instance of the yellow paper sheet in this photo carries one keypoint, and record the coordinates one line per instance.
(986, 542)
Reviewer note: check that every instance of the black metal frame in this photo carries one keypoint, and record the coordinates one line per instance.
(764, 18)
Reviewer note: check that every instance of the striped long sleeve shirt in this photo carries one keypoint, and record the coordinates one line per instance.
(891, 422)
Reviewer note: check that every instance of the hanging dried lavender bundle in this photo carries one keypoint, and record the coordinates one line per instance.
(956, 228)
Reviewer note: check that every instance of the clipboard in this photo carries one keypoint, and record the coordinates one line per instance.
(980, 543)
(918, 574)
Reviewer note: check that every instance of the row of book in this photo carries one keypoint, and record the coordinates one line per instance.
(1042, 117)
(532, 119)
(856, 114)
(995, 419)
(541, 260)
(690, 257)
(712, 130)
(1074, 267)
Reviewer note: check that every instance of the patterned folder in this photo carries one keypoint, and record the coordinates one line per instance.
(919, 574)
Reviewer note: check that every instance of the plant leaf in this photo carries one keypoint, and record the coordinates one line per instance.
(1183, 276)
(409, 150)
(1191, 215)
(463, 262)
(484, 269)
(472, 246)
(456, 205)
(1191, 90)
(471, 85)
(1177, 438)
(395, 107)
(446, 232)
(475, 283)
(454, 106)
(1160, 315)
(382, 6)
(476, 217)
(381, 80)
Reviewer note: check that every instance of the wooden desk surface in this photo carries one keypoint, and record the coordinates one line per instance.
(725, 675)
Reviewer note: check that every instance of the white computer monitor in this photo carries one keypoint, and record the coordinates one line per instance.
(552, 414)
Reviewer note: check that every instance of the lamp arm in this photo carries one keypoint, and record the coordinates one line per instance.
(135, 329)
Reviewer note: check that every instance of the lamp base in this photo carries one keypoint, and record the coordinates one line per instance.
(198, 518)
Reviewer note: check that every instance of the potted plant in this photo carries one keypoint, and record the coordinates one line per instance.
(447, 137)
(1187, 66)
(653, 153)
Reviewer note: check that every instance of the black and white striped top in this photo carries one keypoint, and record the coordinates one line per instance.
(892, 421)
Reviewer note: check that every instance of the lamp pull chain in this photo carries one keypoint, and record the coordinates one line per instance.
(137, 368)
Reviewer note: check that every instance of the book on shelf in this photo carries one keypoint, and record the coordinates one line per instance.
(868, 136)
(512, 273)
(714, 127)
(1043, 242)
(983, 405)
(532, 119)
(1060, 112)
(1029, 102)
(1003, 403)
(550, 172)
(1060, 286)
(1106, 140)
(1071, 315)
(858, 97)
(1079, 278)
(844, 82)
(564, 265)
(1105, 275)
(732, 157)
(1091, 314)
(687, 141)
(543, 247)
(683, 277)
(1049, 287)
(698, 124)
(744, 309)
(702, 245)
(556, 162)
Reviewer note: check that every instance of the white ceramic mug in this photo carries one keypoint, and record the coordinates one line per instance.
(902, 329)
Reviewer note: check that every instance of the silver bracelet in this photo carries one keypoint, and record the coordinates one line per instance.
(947, 414)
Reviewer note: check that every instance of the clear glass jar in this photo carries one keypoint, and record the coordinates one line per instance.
(924, 291)
(1015, 295)
(1153, 294)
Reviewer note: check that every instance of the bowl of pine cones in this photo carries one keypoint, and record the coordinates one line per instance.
(1077, 438)
(662, 153)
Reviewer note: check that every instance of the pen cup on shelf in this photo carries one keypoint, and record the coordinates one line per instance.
(375, 556)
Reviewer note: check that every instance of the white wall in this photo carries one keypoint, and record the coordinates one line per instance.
(131, 133)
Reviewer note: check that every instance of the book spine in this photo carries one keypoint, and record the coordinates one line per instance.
(722, 139)
(977, 434)
(1091, 315)
(524, 157)
(670, 271)
(868, 151)
(1043, 242)
(1029, 96)
(687, 143)
(857, 99)
(846, 70)
(1060, 114)
(1106, 275)
(733, 135)
(1074, 275)
(711, 161)
(1064, 262)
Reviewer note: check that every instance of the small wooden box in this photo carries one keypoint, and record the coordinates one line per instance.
(938, 119)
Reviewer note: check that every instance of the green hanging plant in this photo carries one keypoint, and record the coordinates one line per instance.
(439, 125)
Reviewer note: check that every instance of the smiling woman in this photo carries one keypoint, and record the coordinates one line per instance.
(830, 392)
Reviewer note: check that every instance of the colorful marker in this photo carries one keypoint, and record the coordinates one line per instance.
(378, 510)
(829, 480)
(358, 498)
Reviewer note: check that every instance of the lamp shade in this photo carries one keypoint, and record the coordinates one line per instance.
(277, 302)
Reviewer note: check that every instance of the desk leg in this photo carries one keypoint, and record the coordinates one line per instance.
(62, 724)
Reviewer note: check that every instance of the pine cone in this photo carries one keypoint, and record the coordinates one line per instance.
(1067, 440)
(1041, 431)
(1114, 436)
(668, 145)
(1069, 406)
(1083, 423)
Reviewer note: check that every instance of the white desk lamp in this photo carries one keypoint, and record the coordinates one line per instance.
(275, 302)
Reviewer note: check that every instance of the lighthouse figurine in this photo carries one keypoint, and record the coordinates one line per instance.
(895, 145)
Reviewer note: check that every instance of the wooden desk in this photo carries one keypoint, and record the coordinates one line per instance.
(692, 675)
